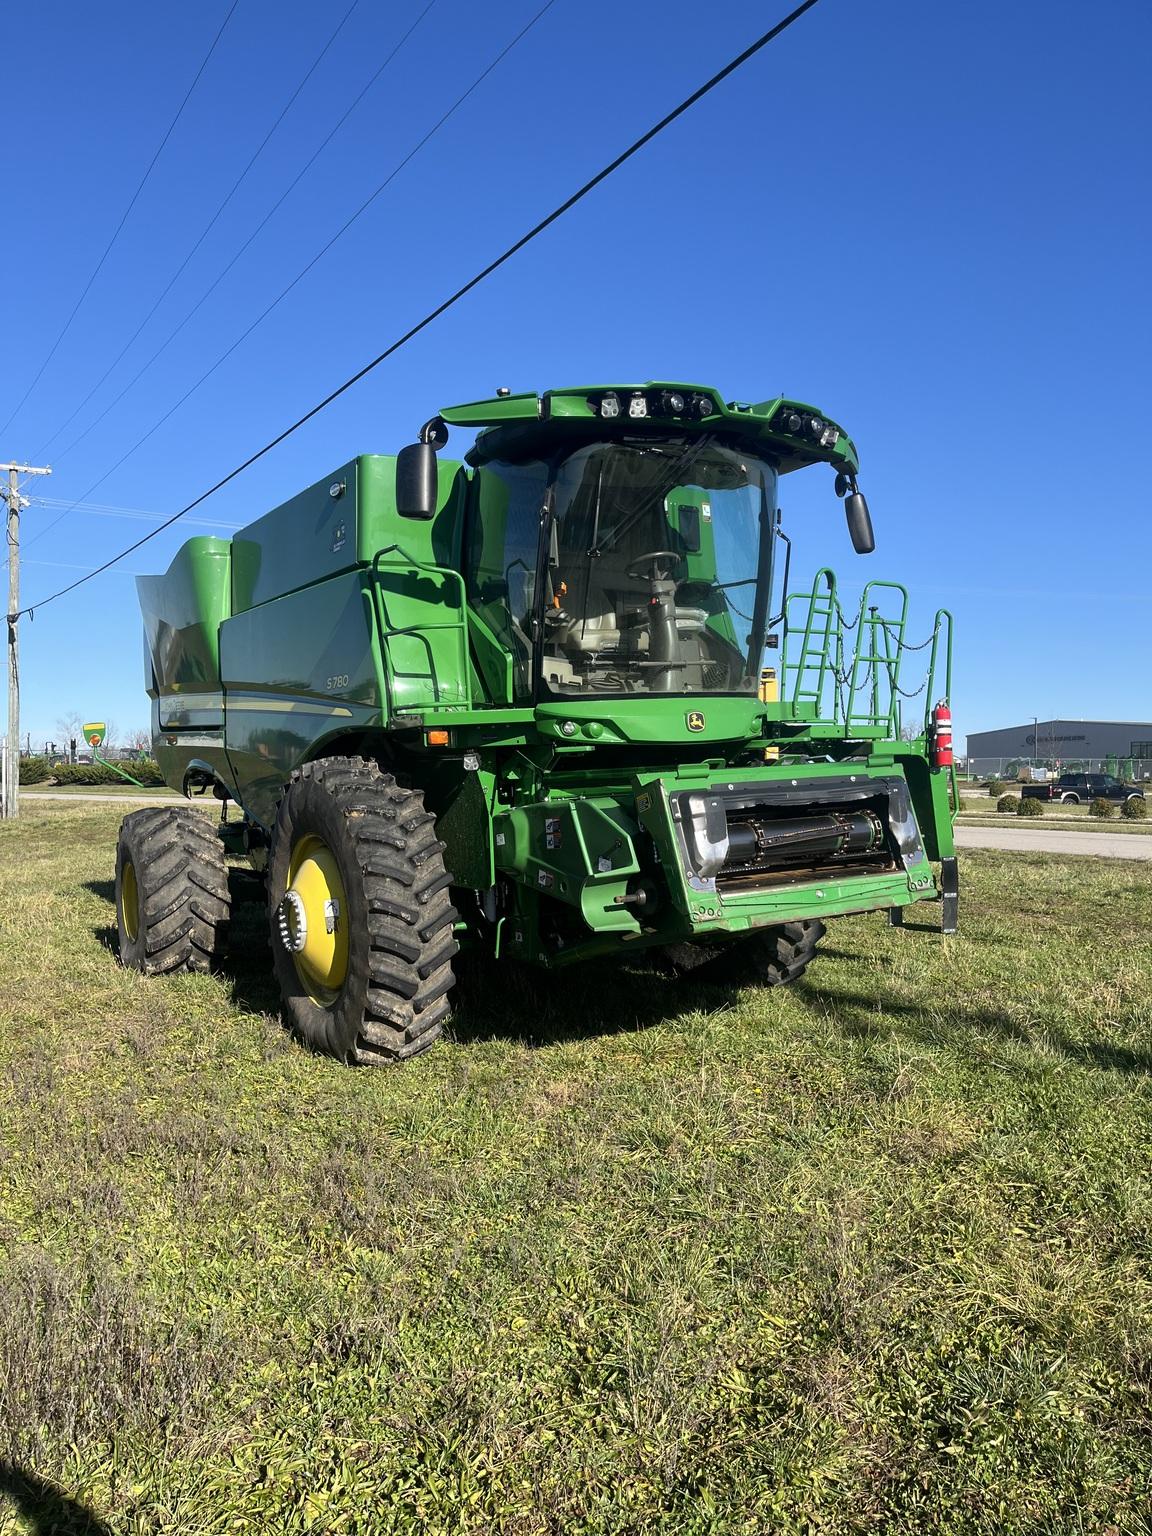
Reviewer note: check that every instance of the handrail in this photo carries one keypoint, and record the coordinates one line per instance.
(866, 663)
(420, 631)
(943, 622)
(867, 695)
(942, 614)
(821, 606)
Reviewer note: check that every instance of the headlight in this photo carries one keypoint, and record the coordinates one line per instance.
(815, 428)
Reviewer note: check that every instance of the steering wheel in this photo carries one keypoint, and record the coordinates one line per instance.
(651, 559)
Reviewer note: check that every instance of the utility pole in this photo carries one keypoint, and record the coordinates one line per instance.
(12, 748)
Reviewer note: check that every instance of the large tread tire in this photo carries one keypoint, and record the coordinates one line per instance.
(394, 1001)
(775, 957)
(178, 913)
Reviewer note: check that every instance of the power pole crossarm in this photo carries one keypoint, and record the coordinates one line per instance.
(15, 501)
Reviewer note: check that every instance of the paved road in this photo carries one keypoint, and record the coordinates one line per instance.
(1103, 845)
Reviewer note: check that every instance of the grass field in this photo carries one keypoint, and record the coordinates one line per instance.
(1066, 818)
(113, 791)
(871, 1254)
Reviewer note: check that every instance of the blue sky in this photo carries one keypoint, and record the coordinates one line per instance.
(929, 220)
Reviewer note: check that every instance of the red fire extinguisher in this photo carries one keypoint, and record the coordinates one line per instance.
(942, 735)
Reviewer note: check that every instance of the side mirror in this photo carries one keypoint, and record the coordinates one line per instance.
(416, 481)
(859, 523)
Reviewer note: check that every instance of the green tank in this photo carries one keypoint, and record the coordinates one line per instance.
(556, 700)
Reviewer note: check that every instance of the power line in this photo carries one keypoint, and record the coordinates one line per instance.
(473, 282)
(123, 220)
(204, 233)
(224, 271)
(68, 565)
(283, 294)
(103, 509)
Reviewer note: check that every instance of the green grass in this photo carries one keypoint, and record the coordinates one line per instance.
(1065, 818)
(869, 1254)
(113, 790)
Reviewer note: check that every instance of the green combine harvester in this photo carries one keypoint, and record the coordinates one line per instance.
(552, 703)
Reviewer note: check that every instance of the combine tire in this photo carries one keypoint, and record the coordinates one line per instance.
(172, 903)
(362, 923)
(772, 958)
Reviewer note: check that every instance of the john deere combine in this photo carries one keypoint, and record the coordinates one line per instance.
(554, 702)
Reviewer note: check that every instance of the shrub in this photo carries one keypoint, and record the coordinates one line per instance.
(146, 769)
(996, 787)
(85, 773)
(1007, 803)
(1102, 808)
(33, 770)
(144, 772)
(1030, 807)
(1135, 809)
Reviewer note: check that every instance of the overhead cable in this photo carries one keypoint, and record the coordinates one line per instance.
(284, 292)
(123, 220)
(200, 239)
(224, 271)
(434, 314)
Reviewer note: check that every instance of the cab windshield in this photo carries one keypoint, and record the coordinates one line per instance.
(655, 570)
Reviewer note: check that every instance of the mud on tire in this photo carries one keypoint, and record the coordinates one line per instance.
(393, 1001)
(172, 903)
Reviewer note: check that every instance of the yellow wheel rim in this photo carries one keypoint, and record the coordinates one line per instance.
(130, 901)
(313, 920)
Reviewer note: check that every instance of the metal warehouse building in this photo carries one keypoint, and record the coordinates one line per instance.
(1123, 746)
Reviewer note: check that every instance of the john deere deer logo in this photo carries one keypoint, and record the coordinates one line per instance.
(695, 720)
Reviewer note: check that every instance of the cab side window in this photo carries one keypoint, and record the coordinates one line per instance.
(500, 557)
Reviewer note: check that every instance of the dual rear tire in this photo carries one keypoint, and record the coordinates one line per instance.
(358, 906)
(172, 905)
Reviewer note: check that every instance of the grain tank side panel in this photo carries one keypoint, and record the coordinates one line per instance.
(297, 670)
(306, 539)
(183, 611)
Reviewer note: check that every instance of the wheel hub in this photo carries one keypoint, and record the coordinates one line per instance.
(292, 922)
(311, 920)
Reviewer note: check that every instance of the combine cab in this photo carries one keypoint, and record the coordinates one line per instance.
(553, 702)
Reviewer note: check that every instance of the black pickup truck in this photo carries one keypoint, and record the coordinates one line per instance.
(1072, 788)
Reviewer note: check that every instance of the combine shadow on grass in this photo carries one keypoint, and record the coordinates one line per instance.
(247, 967)
(105, 933)
(47, 1510)
(597, 998)
(857, 1017)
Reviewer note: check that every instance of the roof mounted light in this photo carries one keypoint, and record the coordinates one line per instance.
(794, 423)
(672, 403)
(610, 405)
(637, 406)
